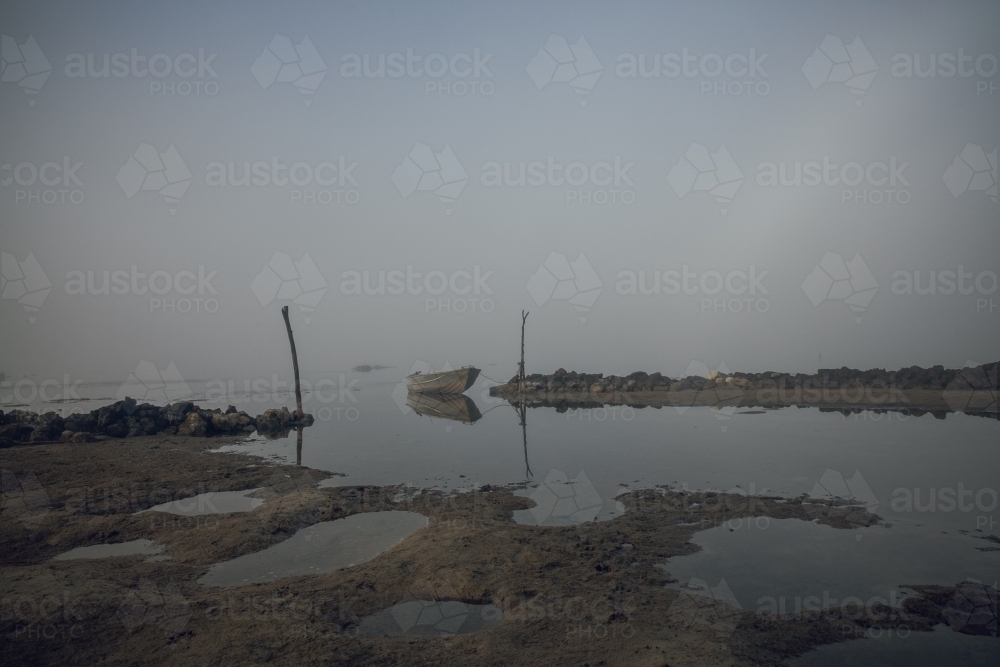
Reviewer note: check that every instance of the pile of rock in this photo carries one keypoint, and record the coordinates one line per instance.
(982, 377)
(126, 418)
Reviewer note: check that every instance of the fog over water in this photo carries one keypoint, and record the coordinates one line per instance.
(678, 196)
(672, 80)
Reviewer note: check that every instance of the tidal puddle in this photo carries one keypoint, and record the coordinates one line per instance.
(788, 567)
(431, 618)
(560, 501)
(905, 649)
(320, 548)
(784, 566)
(133, 548)
(215, 502)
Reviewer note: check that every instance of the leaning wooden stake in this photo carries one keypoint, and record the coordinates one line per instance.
(520, 396)
(520, 378)
(295, 362)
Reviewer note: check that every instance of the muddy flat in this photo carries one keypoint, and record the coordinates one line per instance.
(588, 593)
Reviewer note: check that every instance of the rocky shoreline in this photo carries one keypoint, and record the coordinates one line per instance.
(127, 418)
(972, 390)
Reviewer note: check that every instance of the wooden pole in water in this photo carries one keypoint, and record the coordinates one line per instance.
(520, 397)
(520, 380)
(295, 362)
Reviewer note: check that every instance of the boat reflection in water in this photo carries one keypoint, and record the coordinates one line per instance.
(454, 407)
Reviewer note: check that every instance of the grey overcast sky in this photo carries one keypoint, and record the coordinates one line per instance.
(760, 184)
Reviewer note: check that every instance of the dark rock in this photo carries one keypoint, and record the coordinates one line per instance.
(117, 429)
(972, 610)
(17, 432)
(80, 422)
(277, 422)
(193, 425)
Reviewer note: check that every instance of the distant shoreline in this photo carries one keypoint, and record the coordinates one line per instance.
(936, 390)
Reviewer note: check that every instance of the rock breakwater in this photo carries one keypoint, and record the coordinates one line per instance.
(127, 418)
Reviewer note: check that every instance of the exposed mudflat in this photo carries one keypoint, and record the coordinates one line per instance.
(572, 595)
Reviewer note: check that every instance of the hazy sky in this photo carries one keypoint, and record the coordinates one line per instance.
(829, 86)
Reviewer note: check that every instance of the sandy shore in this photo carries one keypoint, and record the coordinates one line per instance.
(587, 594)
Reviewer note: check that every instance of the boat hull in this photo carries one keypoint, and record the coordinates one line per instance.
(443, 382)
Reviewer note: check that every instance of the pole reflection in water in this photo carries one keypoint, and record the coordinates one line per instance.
(298, 446)
(522, 410)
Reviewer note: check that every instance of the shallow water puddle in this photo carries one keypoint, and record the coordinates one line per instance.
(783, 566)
(431, 618)
(133, 548)
(913, 649)
(214, 502)
(320, 548)
(560, 501)
(788, 566)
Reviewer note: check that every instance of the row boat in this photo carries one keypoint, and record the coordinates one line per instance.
(443, 382)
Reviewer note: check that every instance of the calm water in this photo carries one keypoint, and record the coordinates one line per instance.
(213, 502)
(133, 548)
(320, 548)
(895, 460)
